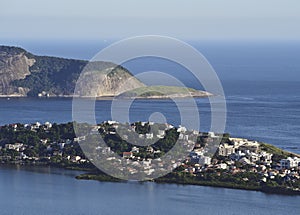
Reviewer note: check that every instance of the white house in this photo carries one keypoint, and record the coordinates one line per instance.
(289, 163)
(226, 149)
(149, 135)
(181, 129)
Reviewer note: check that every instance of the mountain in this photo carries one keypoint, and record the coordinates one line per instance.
(25, 74)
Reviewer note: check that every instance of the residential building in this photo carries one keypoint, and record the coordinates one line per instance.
(226, 149)
(289, 163)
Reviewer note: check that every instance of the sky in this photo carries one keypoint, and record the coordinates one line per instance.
(186, 20)
(79, 29)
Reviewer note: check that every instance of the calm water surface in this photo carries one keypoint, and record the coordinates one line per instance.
(257, 110)
(53, 191)
(265, 111)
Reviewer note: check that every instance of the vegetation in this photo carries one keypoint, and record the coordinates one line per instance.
(53, 75)
(158, 91)
(213, 179)
(42, 145)
(278, 153)
(99, 176)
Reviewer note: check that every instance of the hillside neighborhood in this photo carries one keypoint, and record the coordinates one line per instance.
(224, 158)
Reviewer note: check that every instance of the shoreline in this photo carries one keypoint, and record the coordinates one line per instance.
(110, 97)
(87, 175)
(163, 180)
(56, 145)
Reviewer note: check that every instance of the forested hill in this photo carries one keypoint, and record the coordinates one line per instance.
(25, 74)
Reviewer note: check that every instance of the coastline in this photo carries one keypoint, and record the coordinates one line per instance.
(111, 97)
(164, 180)
(57, 146)
(86, 175)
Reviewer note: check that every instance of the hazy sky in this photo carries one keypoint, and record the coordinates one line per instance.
(190, 19)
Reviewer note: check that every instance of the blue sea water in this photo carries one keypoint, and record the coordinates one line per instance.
(262, 88)
(53, 191)
(264, 111)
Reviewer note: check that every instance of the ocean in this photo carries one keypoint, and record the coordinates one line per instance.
(262, 89)
(263, 111)
(54, 191)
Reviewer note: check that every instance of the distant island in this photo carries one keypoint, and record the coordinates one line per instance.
(236, 163)
(25, 74)
(161, 92)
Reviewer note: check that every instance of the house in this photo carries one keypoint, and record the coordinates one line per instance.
(195, 132)
(237, 142)
(75, 159)
(15, 146)
(253, 157)
(289, 163)
(266, 157)
(237, 156)
(245, 161)
(150, 149)
(105, 150)
(199, 152)
(161, 134)
(36, 125)
(146, 163)
(186, 137)
(149, 171)
(225, 149)
(222, 166)
(44, 141)
(250, 146)
(181, 129)
(111, 122)
(78, 139)
(169, 126)
(149, 135)
(48, 125)
(135, 149)
(211, 134)
(127, 155)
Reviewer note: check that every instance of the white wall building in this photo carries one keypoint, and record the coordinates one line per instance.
(289, 163)
(226, 150)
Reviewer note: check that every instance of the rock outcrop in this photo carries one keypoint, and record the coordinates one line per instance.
(25, 74)
(13, 66)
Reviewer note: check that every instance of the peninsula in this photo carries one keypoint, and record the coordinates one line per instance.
(235, 163)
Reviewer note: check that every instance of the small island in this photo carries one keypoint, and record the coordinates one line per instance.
(237, 162)
(163, 92)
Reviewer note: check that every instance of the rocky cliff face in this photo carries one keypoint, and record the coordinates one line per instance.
(13, 66)
(24, 74)
(111, 81)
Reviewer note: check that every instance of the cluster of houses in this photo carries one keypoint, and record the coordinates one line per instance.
(20, 156)
(290, 163)
(132, 160)
(231, 155)
(244, 152)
